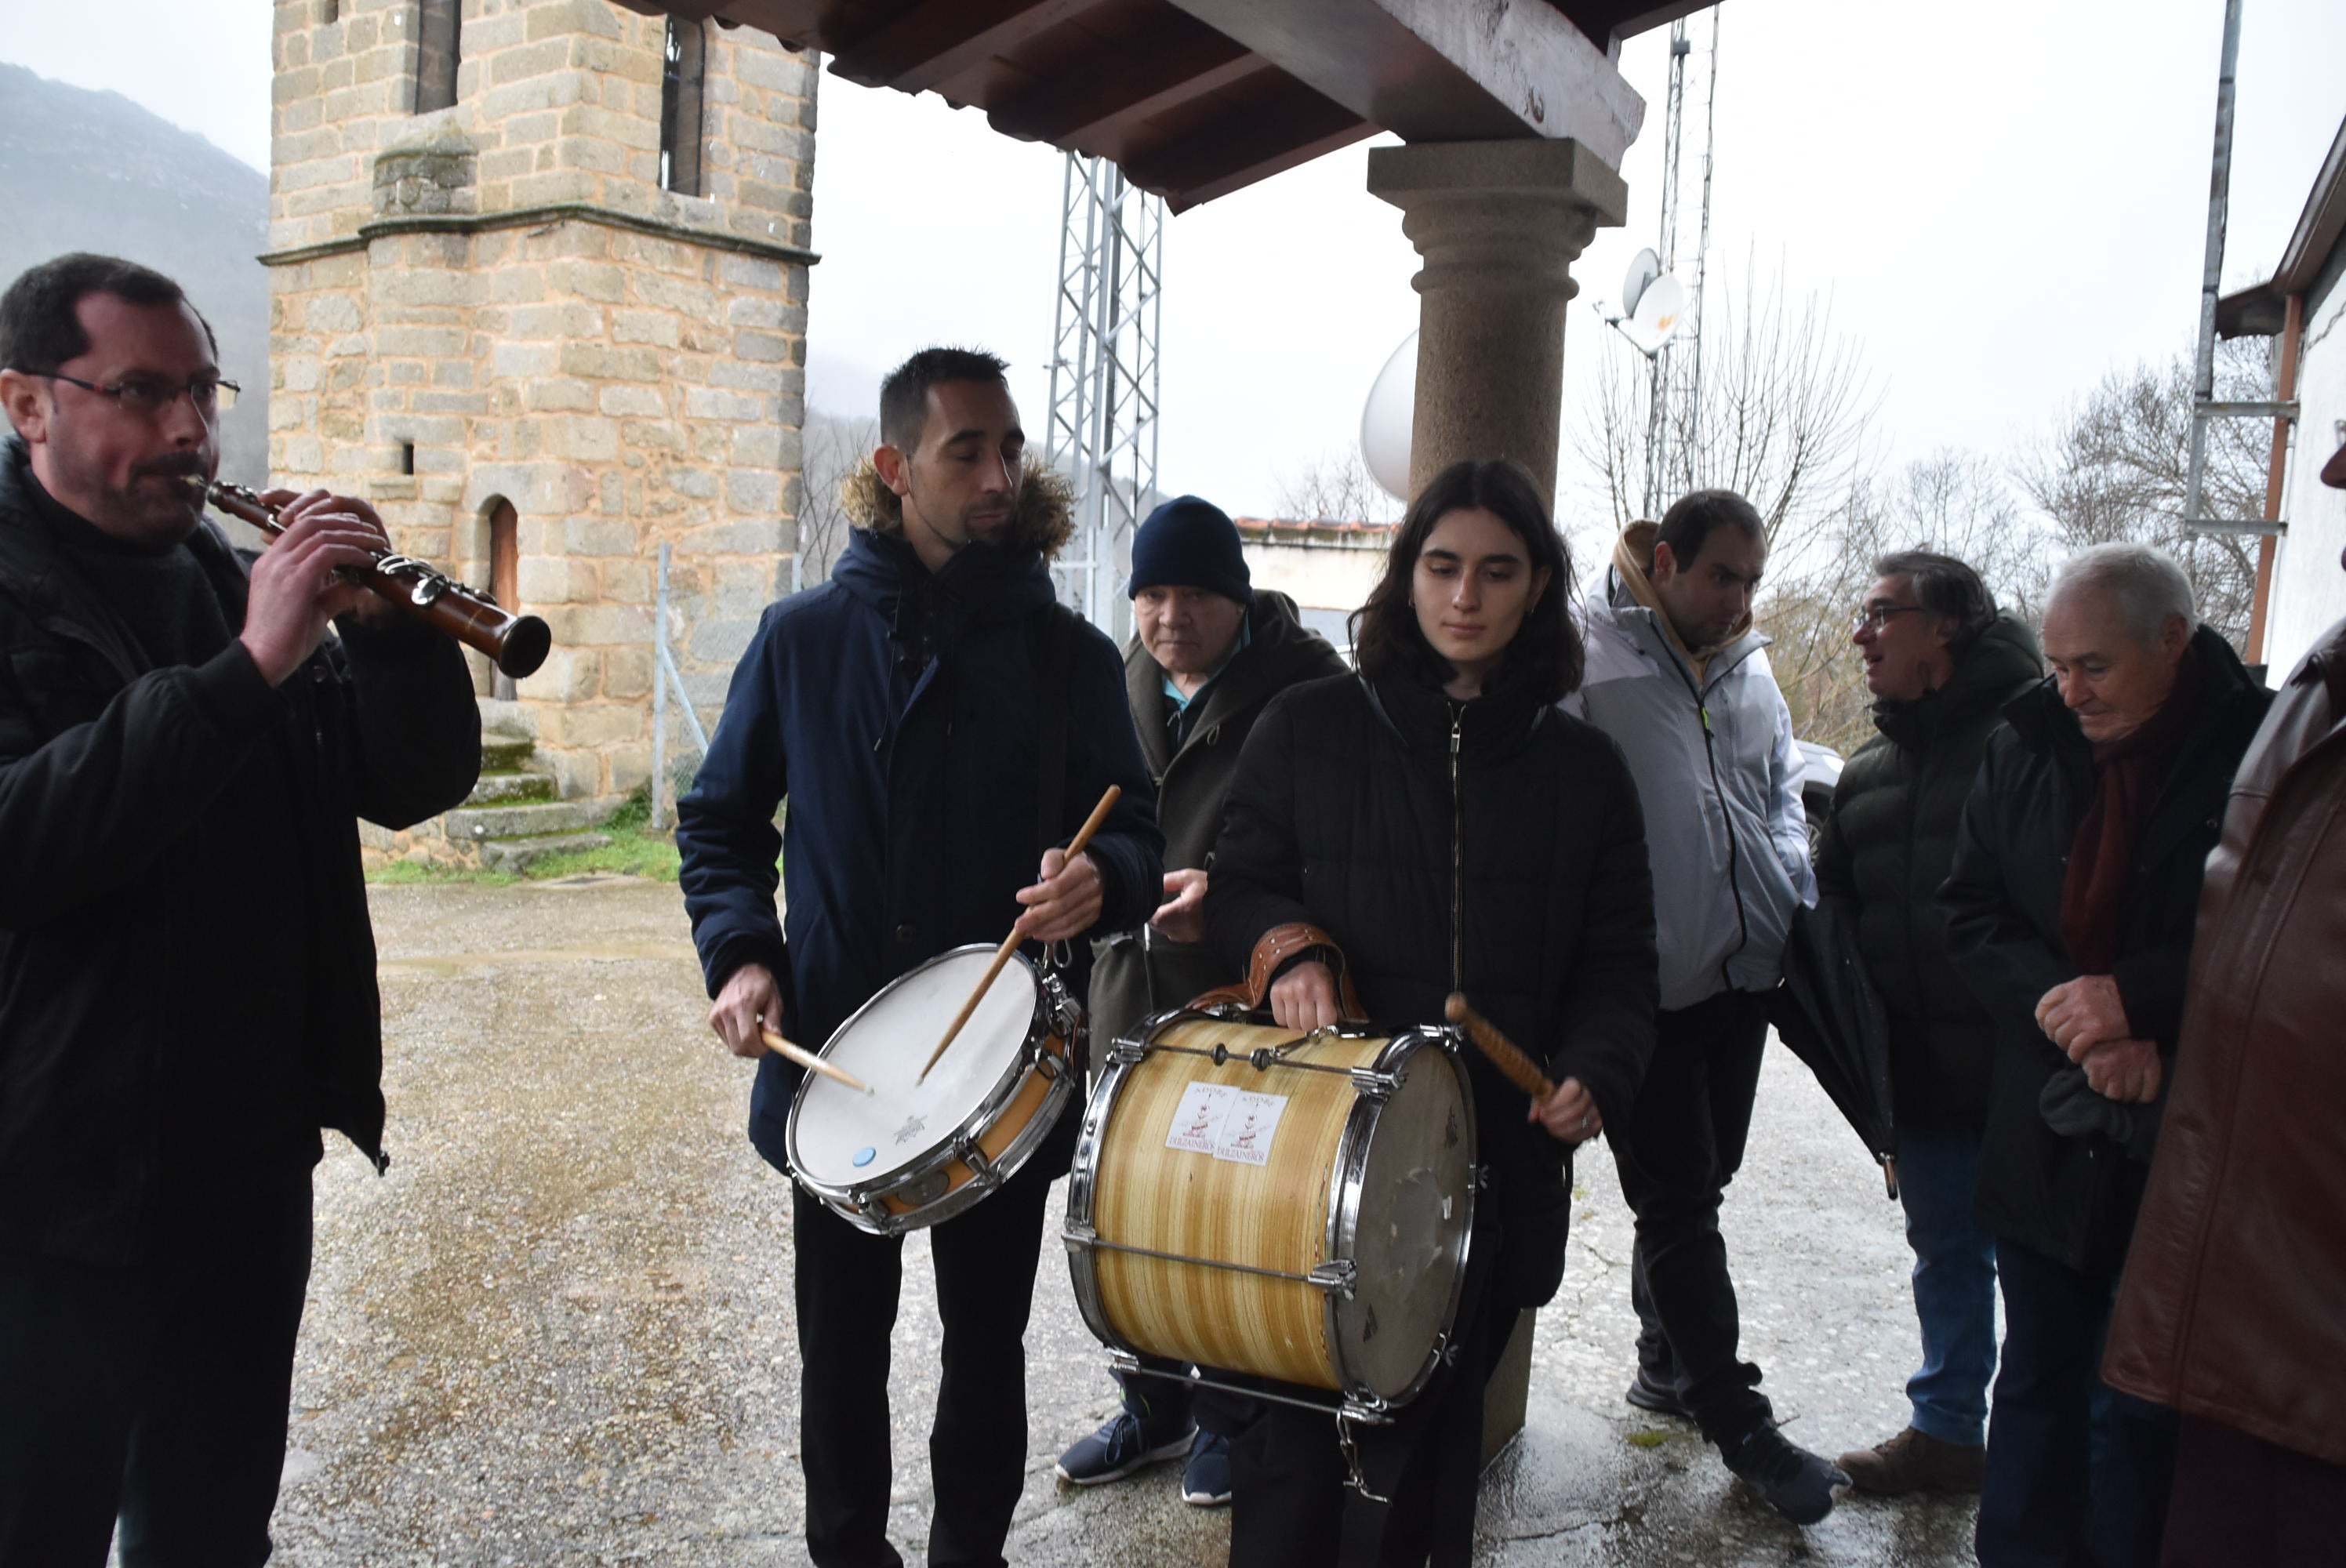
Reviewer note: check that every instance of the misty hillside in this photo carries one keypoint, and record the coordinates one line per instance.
(81, 170)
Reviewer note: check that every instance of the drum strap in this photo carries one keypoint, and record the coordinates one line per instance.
(1272, 952)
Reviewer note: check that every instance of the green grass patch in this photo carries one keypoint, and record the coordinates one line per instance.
(409, 873)
(635, 850)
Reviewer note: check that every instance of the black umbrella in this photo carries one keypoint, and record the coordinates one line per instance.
(1830, 1014)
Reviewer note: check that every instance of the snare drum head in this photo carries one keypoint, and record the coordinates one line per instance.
(1408, 1245)
(841, 1138)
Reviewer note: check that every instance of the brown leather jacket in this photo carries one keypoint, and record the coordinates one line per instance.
(2233, 1307)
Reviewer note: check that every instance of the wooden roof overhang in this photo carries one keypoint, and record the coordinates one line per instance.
(1197, 98)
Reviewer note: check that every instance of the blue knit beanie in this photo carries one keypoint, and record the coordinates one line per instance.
(1191, 544)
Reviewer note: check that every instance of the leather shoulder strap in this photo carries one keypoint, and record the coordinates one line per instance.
(1277, 946)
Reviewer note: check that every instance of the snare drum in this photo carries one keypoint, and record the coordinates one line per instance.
(1294, 1207)
(916, 1152)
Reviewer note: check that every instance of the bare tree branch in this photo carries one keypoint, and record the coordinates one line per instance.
(1336, 487)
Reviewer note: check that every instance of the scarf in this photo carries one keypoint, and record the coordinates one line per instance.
(2128, 772)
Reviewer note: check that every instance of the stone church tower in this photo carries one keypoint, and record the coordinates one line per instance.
(538, 290)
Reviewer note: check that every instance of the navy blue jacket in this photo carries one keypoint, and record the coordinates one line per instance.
(900, 714)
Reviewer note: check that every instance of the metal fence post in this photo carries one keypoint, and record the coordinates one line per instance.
(659, 697)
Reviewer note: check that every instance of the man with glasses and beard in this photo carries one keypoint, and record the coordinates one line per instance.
(1940, 662)
(186, 971)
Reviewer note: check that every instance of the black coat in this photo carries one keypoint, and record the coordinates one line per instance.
(902, 714)
(106, 768)
(1887, 846)
(1141, 970)
(1345, 814)
(2074, 1198)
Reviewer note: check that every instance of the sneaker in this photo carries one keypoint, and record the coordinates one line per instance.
(1649, 1392)
(1206, 1479)
(1916, 1461)
(1793, 1482)
(1122, 1445)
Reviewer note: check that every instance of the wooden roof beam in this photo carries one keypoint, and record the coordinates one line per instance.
(938, 39)
(1125, 83)
(1444, 70)
(1292, 127)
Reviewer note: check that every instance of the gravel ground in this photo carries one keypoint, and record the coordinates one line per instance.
(559, 1331)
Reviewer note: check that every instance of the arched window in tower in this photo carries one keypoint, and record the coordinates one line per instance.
(437, 24)
(505, 575)
(687, 56)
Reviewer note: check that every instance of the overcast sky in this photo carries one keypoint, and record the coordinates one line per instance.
(2004, 201)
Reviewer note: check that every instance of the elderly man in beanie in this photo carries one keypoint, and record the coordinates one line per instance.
(2229, 1308)
(1207, 652)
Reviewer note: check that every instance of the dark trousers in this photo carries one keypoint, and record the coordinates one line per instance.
(2077, 1473)
(846, 1283)
(1290, 1505)
(1683, 1144)
(154, 1395)
(2241, 1499)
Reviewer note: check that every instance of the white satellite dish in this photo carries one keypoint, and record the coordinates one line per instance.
(1661, 311)
(1644, 267)
(1387, 418)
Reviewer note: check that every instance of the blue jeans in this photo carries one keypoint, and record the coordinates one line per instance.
(1954, 1284)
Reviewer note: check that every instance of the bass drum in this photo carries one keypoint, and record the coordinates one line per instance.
(1295, 1206)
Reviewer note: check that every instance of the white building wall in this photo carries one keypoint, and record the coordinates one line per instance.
(2308, 591)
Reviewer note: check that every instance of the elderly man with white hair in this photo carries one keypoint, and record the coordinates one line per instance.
(2069, 911)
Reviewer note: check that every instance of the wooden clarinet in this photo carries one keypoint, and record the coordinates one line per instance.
(516, 644)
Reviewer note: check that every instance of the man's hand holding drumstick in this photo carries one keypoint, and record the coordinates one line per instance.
(1064, 903)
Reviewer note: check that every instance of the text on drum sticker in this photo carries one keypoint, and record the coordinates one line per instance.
(1230, 1123)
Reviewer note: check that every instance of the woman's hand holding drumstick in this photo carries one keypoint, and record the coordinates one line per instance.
(1063, 904)
(1567, 1110)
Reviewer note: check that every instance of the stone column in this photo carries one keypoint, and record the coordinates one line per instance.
(1499, 224)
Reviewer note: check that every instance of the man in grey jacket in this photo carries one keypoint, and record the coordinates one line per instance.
(1208, 652)
(1678, 678)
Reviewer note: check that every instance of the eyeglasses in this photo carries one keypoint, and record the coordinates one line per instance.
(1872, 618)
(147, 396)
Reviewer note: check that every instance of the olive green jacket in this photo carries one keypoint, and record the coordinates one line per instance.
(1138, 972)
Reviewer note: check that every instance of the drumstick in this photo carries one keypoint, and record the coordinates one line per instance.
(1010, 943)
(1512, 1064)
(813, 1063)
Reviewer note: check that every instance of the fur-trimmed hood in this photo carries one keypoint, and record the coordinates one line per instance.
(1045, 519)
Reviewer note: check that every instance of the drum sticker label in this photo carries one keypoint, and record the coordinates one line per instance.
(1226, 1122)
(1247, 1128)
(1197, 1120)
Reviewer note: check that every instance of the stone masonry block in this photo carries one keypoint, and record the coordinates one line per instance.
(638, 400)
(658, 327)
(561, 394)
(753, 494)
(627, 581)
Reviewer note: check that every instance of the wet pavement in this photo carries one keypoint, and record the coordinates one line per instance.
(559, 1331)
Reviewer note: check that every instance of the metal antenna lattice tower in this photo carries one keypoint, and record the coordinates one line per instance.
(1104, 380)
(1675, 392)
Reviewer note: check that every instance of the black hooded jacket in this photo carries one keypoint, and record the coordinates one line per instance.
(2073, 1199)
(112, 781)
(1886, 848)
(1494, 847)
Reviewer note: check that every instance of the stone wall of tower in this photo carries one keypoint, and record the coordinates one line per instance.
(500, 302)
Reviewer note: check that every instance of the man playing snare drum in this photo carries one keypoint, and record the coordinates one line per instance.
(904, 709)
(1208, 652)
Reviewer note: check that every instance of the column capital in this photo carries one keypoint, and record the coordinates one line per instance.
(1527, 169)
